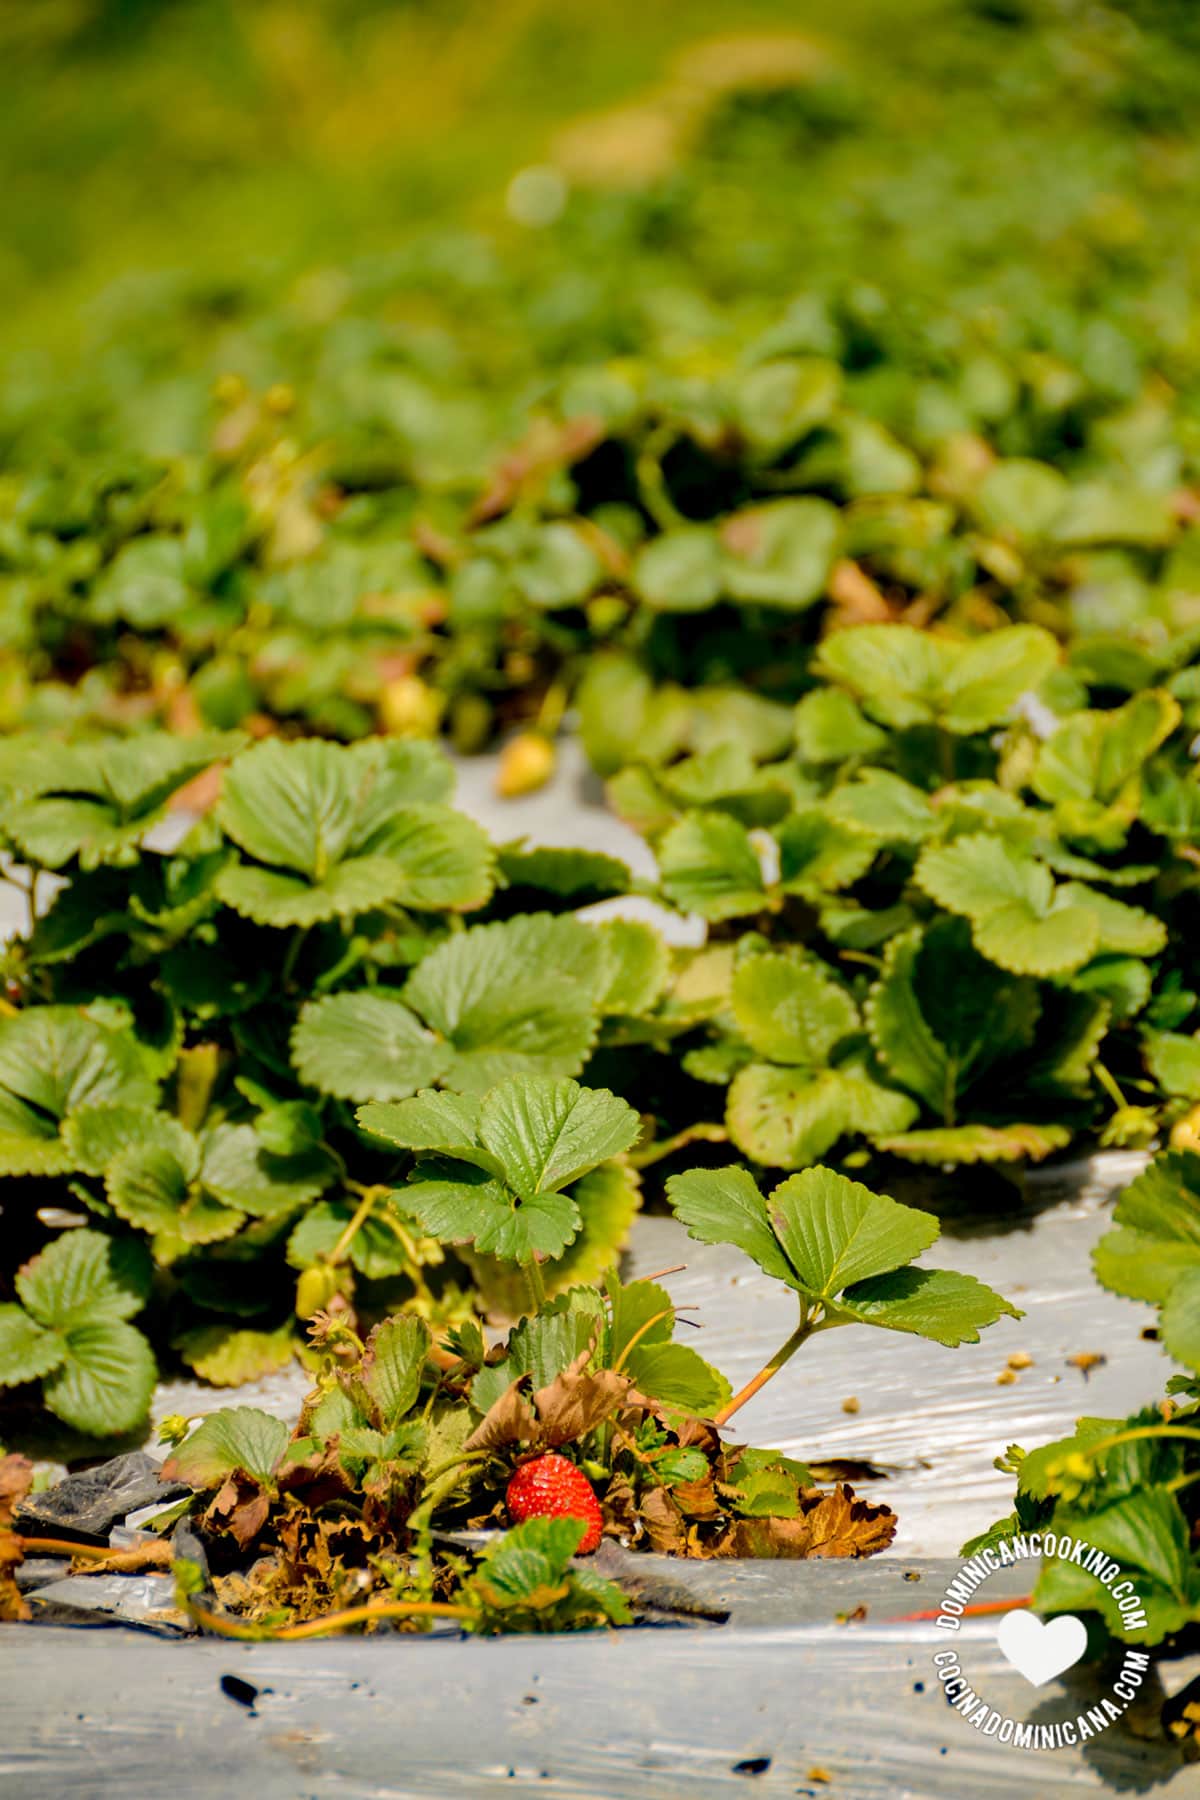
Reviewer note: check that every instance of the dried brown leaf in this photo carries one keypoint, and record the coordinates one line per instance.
(157, 1554)
(509, 1420)
(576, 1401)
(16, 1478)
(833, 1523)
(664, 1523)
(619, 1506)
(16, 1475)
(545, 450)
(566, 1409)
(858, 599)
(697, 1499)
(239, 1507)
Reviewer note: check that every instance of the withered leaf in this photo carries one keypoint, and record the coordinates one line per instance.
(239, 1507)
(566, 1409)
(16, 1475)
(702, 1434)
(835, 1523)
(16, 1478)
(158, 1554)
(319, 1476)
(509, 1420)
(697, 1499)
(575, 1402)
(664, 1523)
(619, 1506)
(544, 450)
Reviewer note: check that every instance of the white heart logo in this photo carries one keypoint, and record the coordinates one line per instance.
(1041, 1650)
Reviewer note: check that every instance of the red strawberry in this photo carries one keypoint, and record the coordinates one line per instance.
(550, 1487)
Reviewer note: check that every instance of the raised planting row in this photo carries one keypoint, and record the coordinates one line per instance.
(411, 1434)
(315, 1065)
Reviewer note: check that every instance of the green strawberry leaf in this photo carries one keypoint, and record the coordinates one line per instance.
(1020, 497)
(637, 967)
(542, 1346)
(903, 676)
(709, 866)
(787, 1118)
(1179, 1321)
(461, 1204)
(1123, 930)
(27, 1349)
(976, 1143)
(97, 803)
(545, 1134)
(380, 1247)
(830, 728)
(392, 1367)
(228, 1355)
(236, 1437)
(678, 1376)
(528, 874)
(335, 830)
(1154, 1248)
(836, 1232)
(878, 805)
(681, 571)
(1017, 920)
(819, 856)
(640, 1312)
(940, 1015)
(447, 1123)
(84, 1277)
(96, 1134)
(105, 1383)
(239, 1170)
(516, 997)
(53, 1060)
(934, 1303)
(779, 554)
(608, 1198)
(790, 1010)
(724, 1206)
(366, 1046)
(159, 1187)
(988, 675)
(1173, 1059)
(975, 875)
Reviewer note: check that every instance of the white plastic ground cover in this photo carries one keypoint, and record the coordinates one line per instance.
(844, 1711)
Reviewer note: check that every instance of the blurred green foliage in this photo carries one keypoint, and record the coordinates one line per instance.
(287, 282)
(283, 190)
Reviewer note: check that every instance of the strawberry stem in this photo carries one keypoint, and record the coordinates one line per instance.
(338, 1621)
(783, 1355)
(533, 1280)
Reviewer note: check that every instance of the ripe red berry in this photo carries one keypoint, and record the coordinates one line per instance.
(550, 1487)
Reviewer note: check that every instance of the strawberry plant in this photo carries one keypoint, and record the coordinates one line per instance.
(936, 926)
(190, 1028)
(227, 1050)
(1129, 1485)
(584, 1419)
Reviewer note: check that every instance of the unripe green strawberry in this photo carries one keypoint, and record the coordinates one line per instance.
(315, 1289)
(550, 1487)
(526, 764)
